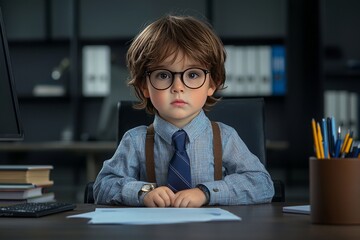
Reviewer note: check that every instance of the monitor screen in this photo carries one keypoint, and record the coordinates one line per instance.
(10, 124)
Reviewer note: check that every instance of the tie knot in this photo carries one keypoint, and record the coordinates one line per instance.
(178, 139)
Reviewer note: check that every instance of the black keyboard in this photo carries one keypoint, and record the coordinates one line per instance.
(35, 209)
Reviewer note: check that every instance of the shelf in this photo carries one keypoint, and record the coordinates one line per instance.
(38, 42)
(277, 97)
(277, 145)
(93, 99)
(41, 99)
(343, 74)
(342, 80)
(106, 41)
(265, 40)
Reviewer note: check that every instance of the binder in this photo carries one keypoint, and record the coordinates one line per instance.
(251, 71)
(264, 80)
(278, 70)
(230, 70)
(97, 70)
(343, 99)
(354, 113)
(331, 102)
(240, 77)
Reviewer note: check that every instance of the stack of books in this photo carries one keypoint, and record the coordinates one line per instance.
(25, 183)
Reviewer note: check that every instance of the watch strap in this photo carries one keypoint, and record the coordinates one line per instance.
(206, 191)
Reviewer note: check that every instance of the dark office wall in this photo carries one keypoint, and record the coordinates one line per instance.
(260, 18)
(24, 19)
(112, 19)
(341, 27)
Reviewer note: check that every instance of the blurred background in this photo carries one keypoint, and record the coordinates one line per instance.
(68, 58)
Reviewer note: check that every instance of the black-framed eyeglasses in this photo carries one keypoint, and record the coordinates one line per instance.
(162, 79)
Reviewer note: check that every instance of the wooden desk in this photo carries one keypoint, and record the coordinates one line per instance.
(258, 222)
(90, 149)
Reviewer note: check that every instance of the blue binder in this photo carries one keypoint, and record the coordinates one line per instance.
(278, 70)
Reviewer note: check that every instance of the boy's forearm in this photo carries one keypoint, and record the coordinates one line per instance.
(117, 191)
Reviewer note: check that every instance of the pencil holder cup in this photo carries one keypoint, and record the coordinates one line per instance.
(335, 190)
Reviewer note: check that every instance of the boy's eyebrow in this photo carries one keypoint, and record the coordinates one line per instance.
(186, 66)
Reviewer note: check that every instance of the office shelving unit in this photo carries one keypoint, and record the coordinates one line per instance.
(341, 62)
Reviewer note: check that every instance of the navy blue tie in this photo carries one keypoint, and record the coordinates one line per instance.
(179, 175)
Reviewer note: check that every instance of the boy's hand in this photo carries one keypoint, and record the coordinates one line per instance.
(159, 197)
(189, 198)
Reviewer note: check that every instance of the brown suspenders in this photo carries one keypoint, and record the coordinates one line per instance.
(217, 151)
(149, 153)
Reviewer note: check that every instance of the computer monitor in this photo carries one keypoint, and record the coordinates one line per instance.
(10, 122)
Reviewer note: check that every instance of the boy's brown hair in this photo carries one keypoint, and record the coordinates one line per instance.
(168, 35)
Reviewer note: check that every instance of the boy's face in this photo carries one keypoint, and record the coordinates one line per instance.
(179, 104)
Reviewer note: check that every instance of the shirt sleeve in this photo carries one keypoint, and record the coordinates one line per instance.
(118, 181)
(245, 179)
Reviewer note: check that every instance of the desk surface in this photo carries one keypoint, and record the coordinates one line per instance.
(258, 222)
(58, 146)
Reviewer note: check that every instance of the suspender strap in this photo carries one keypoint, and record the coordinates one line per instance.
(217, 148)
(149, 153)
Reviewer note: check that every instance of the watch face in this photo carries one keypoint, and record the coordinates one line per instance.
(147, 187)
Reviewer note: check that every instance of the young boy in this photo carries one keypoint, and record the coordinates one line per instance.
(176, 66)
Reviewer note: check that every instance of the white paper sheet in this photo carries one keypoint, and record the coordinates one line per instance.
(143, 216)
(301, 209)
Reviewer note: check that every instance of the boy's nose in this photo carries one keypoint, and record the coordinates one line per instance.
(178, 85)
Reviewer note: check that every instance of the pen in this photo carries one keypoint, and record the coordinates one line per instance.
(339, 133)
(333, 129)
(355, 152)
(325, 138)
(338, 143)
(337, 148)
(320, 141)
(330, 137)
(316, 141)
(349, 144)
(345, 142)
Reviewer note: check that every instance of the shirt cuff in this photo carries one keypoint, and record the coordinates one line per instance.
(219, 192)
(130, 193)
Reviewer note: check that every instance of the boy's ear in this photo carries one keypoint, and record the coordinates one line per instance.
(212, 89)
(145, 91)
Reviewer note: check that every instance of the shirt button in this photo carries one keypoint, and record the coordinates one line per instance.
(215, 189)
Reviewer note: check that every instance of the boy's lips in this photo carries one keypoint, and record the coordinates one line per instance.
(178, 102)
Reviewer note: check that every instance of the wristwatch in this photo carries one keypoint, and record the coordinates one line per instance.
(205, 190)
(146, 188)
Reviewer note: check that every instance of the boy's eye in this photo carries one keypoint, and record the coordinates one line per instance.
(163, 75)
(192, 75)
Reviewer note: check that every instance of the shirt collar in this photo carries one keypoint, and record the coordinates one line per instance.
(193, 129)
